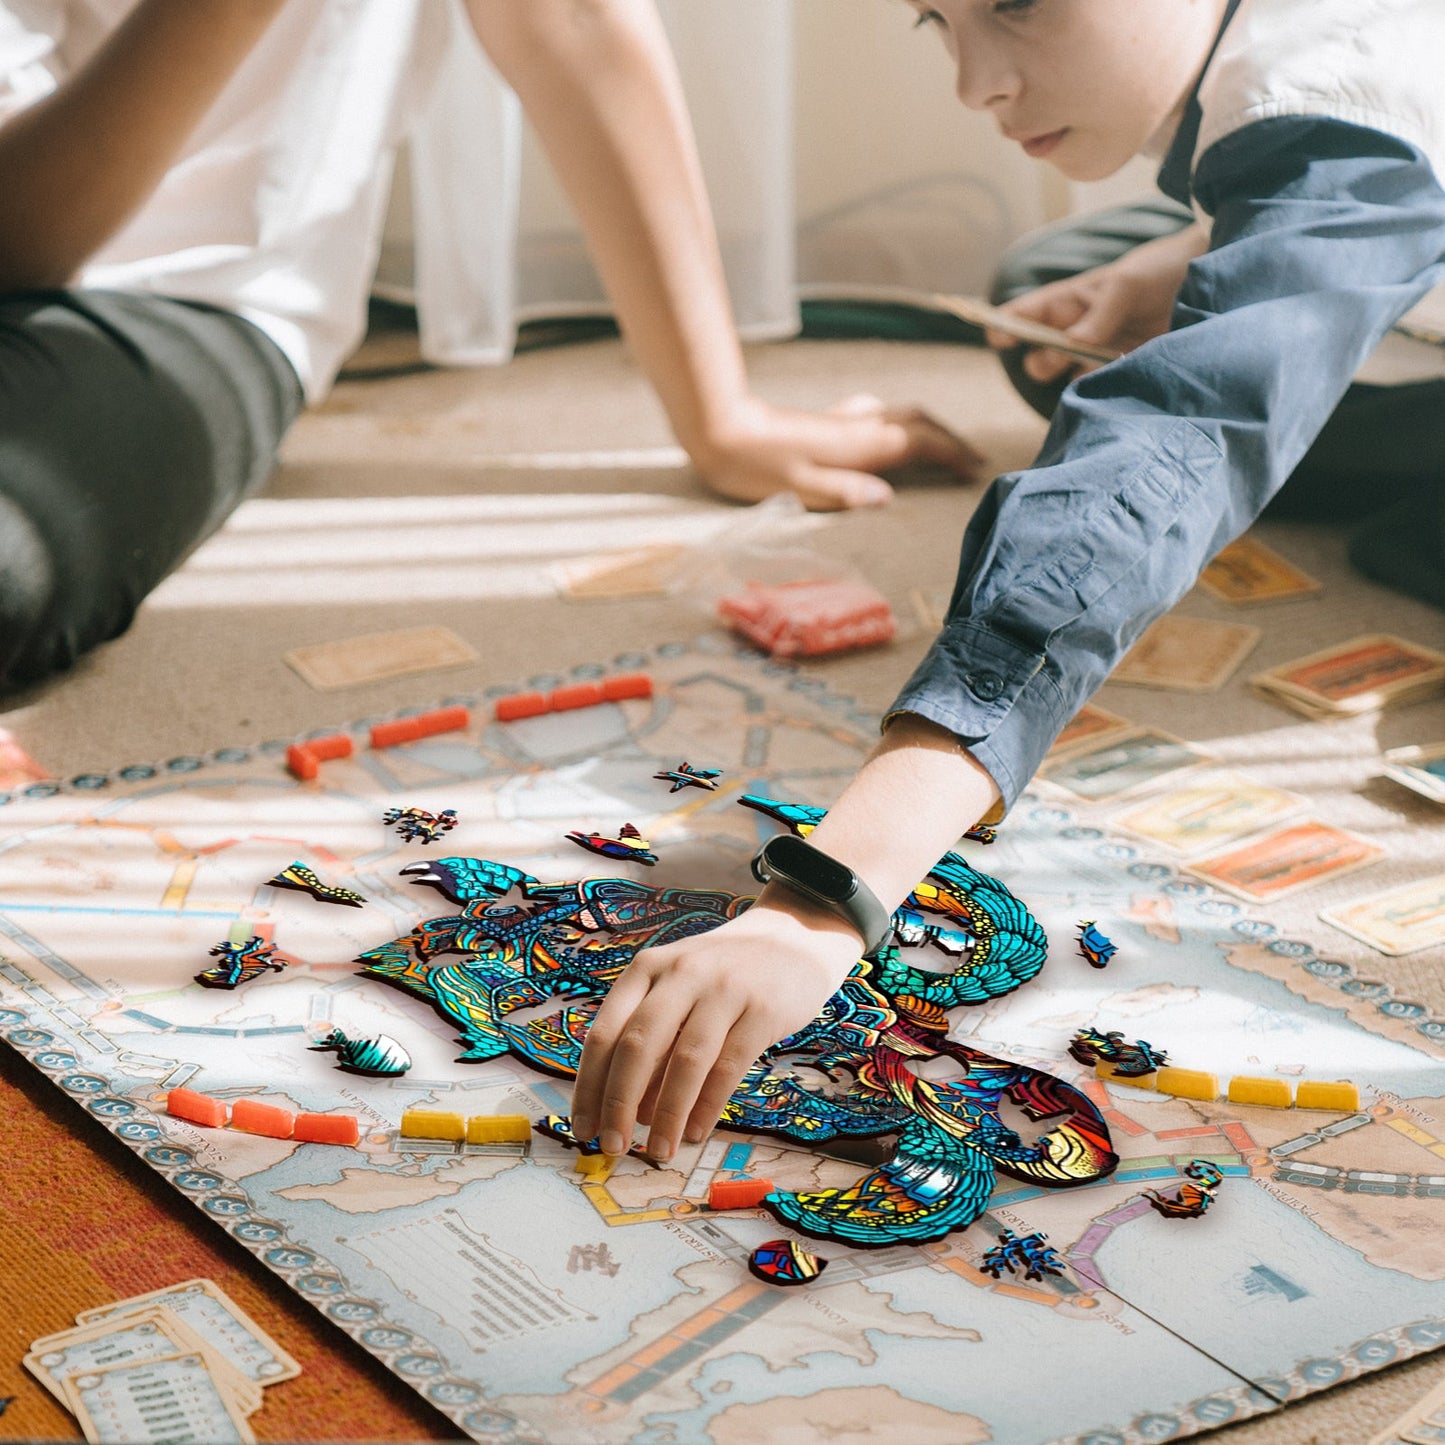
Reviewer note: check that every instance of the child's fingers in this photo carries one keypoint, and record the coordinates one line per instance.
(692, 1059)
(839, 489)
(745, 1044)
(607, 1026)
(1045, 365)
(644, 1043)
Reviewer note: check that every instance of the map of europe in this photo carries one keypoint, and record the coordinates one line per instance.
(533, 1303)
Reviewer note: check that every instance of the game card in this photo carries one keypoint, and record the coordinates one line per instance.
(156, 1402)
(1421, 769)
(1248, 571)
(977, 312)
(1119, 765)
(1400, 921)
(1422, 1424)
(1088, 725)
(642, 572)
(1208, 814)
(355, 660)
(129, 1339)
(1285, 861)
(219, 1321)
(1187, 654)
(1357, 676)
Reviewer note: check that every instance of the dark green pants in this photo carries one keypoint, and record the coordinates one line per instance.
(130, 427)
(1379, 463)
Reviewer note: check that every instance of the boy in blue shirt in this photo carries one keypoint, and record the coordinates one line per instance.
(1309, 137)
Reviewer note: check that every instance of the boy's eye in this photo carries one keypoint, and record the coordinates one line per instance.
(1013, 7)
(927, 17)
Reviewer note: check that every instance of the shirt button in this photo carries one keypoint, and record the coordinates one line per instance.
(985, 685)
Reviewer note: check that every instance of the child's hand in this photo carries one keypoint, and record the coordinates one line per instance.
(1121, 305)
(684, 1023)
(830, 459)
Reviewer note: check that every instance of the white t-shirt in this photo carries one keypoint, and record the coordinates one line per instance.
(274, 209)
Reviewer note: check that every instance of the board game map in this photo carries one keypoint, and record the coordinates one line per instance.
(530, 1304)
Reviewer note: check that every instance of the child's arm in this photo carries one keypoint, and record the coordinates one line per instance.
(597, 81)
(1324, 235)
(76, 165)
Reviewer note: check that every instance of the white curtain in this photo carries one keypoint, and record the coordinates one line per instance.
(837, 159)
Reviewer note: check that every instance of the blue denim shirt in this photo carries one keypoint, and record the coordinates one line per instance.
(1324, 234)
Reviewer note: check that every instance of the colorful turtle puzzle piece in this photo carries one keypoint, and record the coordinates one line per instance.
(684, 775)
(240, 963)
(1027, 1254)
(981, 833)
(302, 879)
(1194, 1196)
(1129, 1060)
(518, 944)
(1094, 946)
(419, 826)
(382, 1057)
(785, 1262)
(629, 845)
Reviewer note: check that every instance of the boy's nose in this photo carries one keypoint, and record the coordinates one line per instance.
(984, 81)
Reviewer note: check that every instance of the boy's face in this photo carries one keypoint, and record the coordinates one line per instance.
(1083, 84)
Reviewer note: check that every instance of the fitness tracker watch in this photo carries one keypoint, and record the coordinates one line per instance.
(811, 872)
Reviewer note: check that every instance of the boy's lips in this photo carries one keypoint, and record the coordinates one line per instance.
(1041, 143)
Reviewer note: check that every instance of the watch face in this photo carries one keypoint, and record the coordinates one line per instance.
(808, 868)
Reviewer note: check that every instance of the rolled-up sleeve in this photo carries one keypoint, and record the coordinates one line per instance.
(1324, 234)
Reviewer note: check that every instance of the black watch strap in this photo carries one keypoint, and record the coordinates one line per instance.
(808, 870)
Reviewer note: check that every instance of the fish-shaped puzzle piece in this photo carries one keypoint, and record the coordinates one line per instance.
(684, 775)
(629, 845)
(381, 1056)
(302, 879)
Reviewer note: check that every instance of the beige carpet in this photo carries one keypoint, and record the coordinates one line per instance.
(445, 497)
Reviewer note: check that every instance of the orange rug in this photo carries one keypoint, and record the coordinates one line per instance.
(82, 1222)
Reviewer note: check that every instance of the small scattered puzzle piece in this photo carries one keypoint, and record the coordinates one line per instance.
(302, 879)
(1192, 1197)
(1128, 1060)
(785, 1262)
(628, 845)
(417, 825)
(240, 963)
(684, 775)
(382, 1056)
(1094, 946)
(981, 833)
(1026, 1253)
(809, 618)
